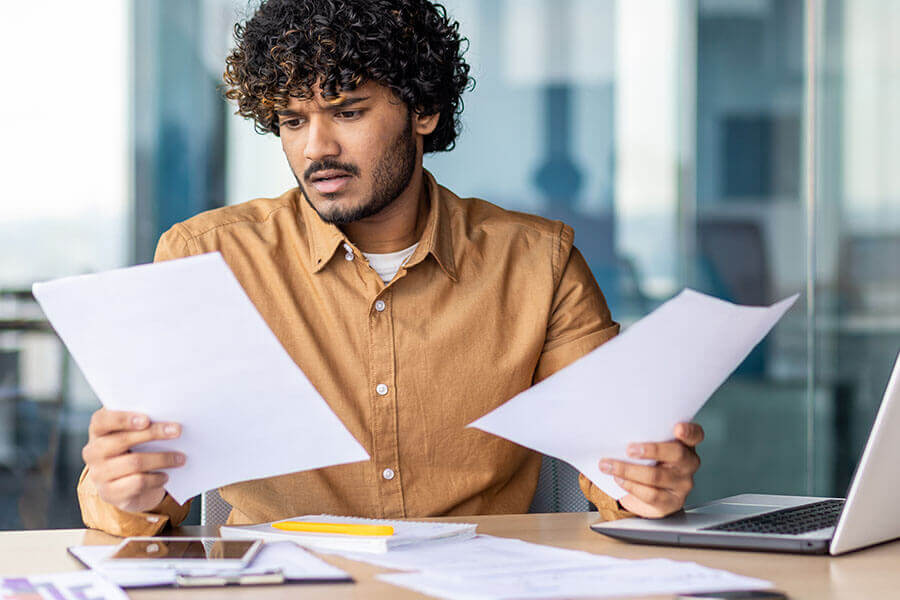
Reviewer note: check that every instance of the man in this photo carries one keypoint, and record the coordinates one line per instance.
(411, 310)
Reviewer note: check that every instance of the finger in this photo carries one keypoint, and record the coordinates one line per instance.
(663, 501)
(652, 475)
(114, 444)
(106, 421)
(637, 506)
(667, 452)
(138, 462)
(124, 488)
(690, 434)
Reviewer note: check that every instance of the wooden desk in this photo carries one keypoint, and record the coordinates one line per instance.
(871, 573)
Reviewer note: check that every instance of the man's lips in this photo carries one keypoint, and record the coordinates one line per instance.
(329, 182)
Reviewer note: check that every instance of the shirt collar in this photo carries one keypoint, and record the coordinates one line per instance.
(436, 238)
(325, 238)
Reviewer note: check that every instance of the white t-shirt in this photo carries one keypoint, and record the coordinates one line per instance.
(387, 265)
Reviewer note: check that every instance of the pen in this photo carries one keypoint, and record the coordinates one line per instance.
(344, 528)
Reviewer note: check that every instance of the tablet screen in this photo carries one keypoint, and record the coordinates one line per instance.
(183, 549)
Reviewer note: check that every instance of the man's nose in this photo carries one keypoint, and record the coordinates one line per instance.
(320, 141)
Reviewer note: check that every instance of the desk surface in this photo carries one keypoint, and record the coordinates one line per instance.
(871, 573)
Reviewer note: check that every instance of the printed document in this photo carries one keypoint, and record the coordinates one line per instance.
(637, 386)
(623, 578)
(480, 555)
(181, 341)
(487, 567)
(81, 585)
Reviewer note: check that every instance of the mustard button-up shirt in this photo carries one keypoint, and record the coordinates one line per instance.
(490, 302)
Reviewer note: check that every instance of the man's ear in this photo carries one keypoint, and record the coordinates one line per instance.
(425, 124)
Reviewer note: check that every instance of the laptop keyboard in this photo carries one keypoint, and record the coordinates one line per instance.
(790, 521)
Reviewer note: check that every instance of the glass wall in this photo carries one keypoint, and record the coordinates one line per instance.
(742, 148)
(64, 209)
(857, 228)
(748, 228)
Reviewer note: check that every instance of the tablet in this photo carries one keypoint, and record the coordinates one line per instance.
(184, 553)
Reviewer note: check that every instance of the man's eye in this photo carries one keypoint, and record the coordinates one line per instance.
(348, 114)
(290, 123)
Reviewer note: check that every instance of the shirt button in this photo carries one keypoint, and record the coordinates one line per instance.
(348, 256)
(381, 389)
(388, 474)
(380, 305)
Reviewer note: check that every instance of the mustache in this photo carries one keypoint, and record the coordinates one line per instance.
(329, 165)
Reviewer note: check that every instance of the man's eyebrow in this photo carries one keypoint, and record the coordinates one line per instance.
(337, 105)
(343, 103)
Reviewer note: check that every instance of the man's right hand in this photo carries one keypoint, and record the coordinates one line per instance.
(130, 481)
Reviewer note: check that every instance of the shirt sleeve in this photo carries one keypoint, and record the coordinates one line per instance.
(579, 322)
(609, 509)
(579, 319)
(174, 244)
(99, 514)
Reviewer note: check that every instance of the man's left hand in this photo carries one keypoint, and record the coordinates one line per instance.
(655, 491)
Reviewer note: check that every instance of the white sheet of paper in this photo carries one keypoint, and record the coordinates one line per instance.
(623, 578)
(181, 341)
(481, 554)
(637, 386)
(293, 561)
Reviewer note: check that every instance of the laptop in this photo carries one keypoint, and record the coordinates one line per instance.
(869, 515)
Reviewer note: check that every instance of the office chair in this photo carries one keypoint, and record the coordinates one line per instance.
(557, 491)
(213, 509)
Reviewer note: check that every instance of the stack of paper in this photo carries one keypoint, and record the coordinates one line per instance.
(493, 568)
(406, 533)
(482, 555)
(631, 578)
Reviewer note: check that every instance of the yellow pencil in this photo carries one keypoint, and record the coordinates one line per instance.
(342, 528)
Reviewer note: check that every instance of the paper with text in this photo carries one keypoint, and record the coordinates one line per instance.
(637, 386)
(81, 585)
(482, 554)
(181, 341)
(623, 578)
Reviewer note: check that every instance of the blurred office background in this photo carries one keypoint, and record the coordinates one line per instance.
(745, 148)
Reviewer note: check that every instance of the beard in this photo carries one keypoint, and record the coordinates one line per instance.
(392, 174)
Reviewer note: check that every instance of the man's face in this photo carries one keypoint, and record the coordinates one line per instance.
(351, 157)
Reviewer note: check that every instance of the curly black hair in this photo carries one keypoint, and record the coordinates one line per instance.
(409, 46)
